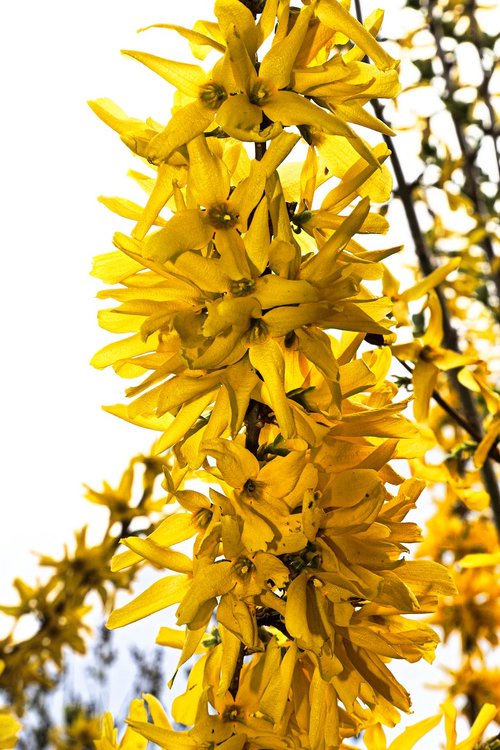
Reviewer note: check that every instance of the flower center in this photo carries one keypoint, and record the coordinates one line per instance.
(260, 93)
(231, 713)
(202, 518)
(258, 331)
(221, 216)
(212, 95)
(241, 287)
(427, 354)
(243, 567)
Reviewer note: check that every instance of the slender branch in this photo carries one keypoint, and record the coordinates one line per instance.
(458, 418)
(235, 681)
(471, 187)
(450, 337)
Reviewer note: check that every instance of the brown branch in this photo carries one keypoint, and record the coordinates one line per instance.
(235, 680)
(493, 453)
(450, 337)
(471, 188)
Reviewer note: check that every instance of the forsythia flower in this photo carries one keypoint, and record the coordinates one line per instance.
(374, 738)
(430, 358)
(9, 726)
(248, 311)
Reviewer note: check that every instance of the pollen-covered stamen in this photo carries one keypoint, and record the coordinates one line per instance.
(252, 489)
(231, 713)
(428, 354)
(202, 518)
(260, 93)
(241, 287)
(221, 216)
(243, 567)
(258, 331)
(212, 95)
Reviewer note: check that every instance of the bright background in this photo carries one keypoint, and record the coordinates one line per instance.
(56, 158)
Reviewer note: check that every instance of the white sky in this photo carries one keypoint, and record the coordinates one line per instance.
(56, 158)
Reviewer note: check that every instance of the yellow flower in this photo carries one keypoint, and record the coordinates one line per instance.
(9, 726)
(477, 382)
(131, 740)
(9, 729)
(429, 358)
(241, 100)
(416, 291)
(374, 738)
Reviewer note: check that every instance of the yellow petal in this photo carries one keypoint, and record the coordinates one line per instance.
(322, 264)
(240, 381)
(485, 716)
(185, 77)
(374, 738)
(296, 608)
(426, 577)
(122, 349)
(235, 463)
(275, 696)
(161, 193)
(290, 108)
(9, 729)
(161, 594)
(235, 615)
(407, 739)
(354, 181)
(233, 254)
(282, 320)
(175, 528)
(237, 115)
(211, 581)
(334, 15)
(257, 239)
(272, 291)
(484, 447)
(167, 739)
(176, 391)
(206, 273)
(185, 231)
(430, 282)
(267, 359)
(479, 560)
(195, 38)
(233, 14)
(159, 555)
(186, 123)
(230, 654)
(114, 267)
(208, 175)
(277, 64)
(358, 115)
(267, 20)
(424, 381)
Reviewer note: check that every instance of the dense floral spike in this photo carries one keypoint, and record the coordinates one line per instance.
(248, 315)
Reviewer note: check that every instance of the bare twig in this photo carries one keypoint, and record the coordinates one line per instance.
(450, 337)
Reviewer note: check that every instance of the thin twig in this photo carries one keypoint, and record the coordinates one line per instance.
(450, 337)
(235, 681)
(471, 187)
(493, 453)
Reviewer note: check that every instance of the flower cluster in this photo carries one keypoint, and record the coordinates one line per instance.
(249, 308)
(58, 606)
